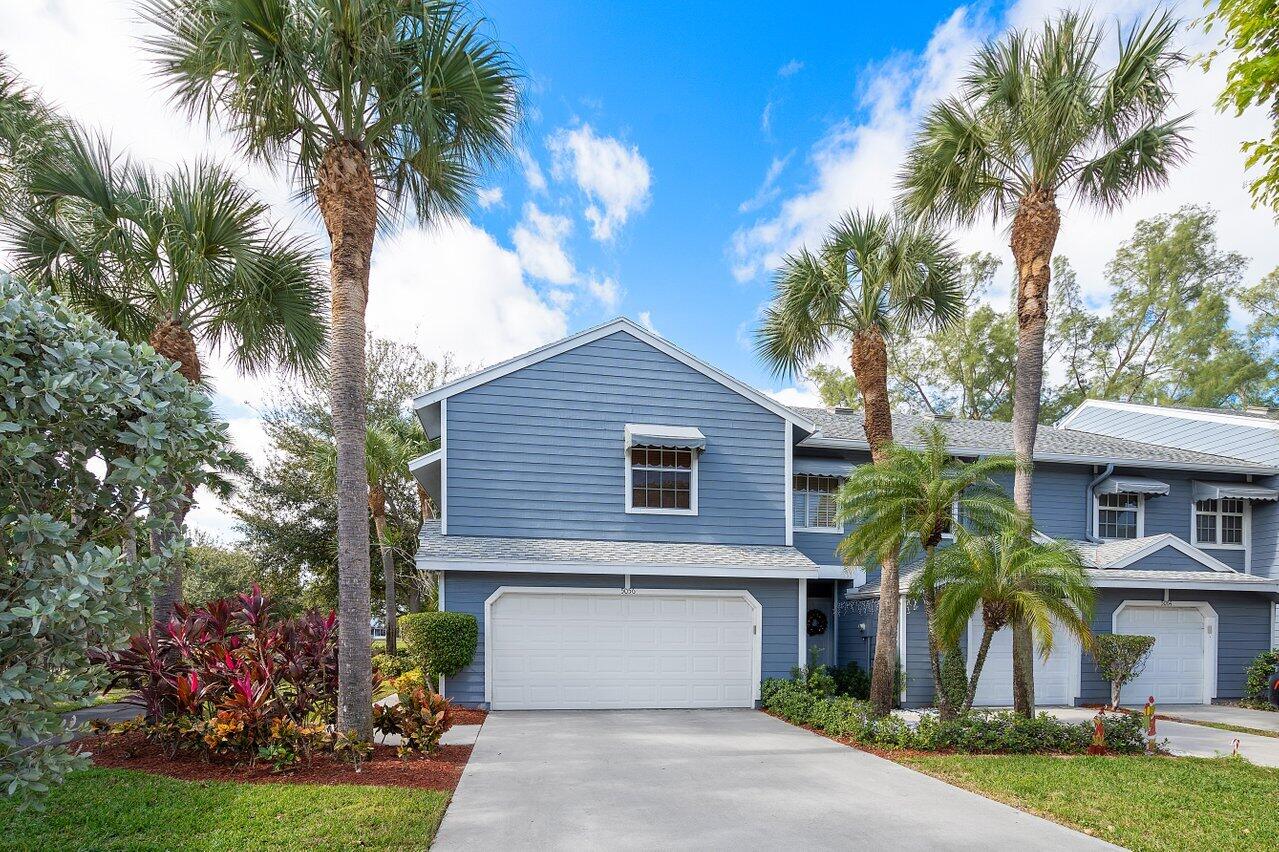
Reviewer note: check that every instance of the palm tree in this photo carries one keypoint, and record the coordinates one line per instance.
(389, 446)
(30, 134)
(908, 502)
(180, 260)
(874, 275)
(1037, 117)
(391, 102)
(1012, 579)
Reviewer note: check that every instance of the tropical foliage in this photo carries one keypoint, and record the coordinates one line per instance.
(441, 643)
(98, 437)
(904, 505)
(873, 276)
(1010, 579)
(1120, 659)
(380, 102)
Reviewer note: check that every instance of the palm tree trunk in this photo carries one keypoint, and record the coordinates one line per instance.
(869, 361)
(388, 577)
(171, 339)
(347, 200)
(1034, 233)
(987, 635)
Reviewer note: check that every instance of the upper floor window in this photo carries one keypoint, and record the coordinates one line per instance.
(1119, 515)
(1220, 522)
(815, 505)
(661, 481)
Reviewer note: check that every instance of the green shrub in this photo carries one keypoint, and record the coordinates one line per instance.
(379, 646)
(975, 732)
(442, 643)
(1256, 685)
(851, 681)
(391, 666)
(1120, 659)
(954, 677)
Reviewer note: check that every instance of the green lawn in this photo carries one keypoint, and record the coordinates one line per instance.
(117, 809)
(92, 701)
(1144, 803)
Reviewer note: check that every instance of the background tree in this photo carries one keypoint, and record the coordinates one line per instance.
(873, 276)
(1250, 32)
(76, 398)
(906, 502)
(184, 260)
(1011, 579)
(287, 509)
(1038, 116)
(215, 570)
(381, 100)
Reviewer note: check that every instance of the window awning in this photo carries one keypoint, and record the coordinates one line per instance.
(1239, 490)
(667, 437)
(1133, 485)
(822, 467)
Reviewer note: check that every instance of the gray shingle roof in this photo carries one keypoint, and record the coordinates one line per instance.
(1230, 578)
(997, 437)
(433, 547)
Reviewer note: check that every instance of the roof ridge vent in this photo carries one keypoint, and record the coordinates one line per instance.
(845, 409)
(1266, 410)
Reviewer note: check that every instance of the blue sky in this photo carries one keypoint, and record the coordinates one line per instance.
(672, 154)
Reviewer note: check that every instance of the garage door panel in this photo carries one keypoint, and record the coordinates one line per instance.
(1054, 678)
(1174, 672)
(656, 650)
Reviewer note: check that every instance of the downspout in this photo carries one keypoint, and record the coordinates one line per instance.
(1089, 533)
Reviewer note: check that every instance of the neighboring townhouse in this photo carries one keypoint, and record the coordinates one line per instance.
(634, 528)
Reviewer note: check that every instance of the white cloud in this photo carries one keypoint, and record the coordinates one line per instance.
(768, 189)
(453, 288)
(489, 196)
(646, 320)
(533, 175)
(790, 69)
(605, 290)
(854, 164)
(539, 242)
(614, 177)
(804, 397)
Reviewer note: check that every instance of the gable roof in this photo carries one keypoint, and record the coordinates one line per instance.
(426, 404)
(1239, 417)
(980, 437)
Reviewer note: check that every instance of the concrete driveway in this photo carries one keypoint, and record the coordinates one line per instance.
(710, 779)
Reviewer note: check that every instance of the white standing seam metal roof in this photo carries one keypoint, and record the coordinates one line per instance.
(1132, 485)
(673, 437)
(569, 555)
(840, 430)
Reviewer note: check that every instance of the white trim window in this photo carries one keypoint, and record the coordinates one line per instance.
(1119, 516)
(813, 498)
(661, 481)
(1221, 523)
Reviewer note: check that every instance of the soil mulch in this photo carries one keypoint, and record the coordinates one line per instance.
(441, 771)
(467, 716)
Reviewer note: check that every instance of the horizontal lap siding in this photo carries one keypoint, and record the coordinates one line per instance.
(1265, 533)
(854, 644)
(1243, 620)
(1170, 559)
(539, 452)
(467, 592)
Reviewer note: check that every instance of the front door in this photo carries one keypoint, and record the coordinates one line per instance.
(820, 627)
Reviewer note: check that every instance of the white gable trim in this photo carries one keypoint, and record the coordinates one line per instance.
(1169, 411)
(621, 324)
(1158, 543)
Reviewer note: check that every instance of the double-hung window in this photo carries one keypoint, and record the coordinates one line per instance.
(1220, 523)
(814, 503)
(1119, 515)
(662, 481)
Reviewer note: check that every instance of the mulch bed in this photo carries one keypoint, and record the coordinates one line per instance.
(441, 771)
(467, 716)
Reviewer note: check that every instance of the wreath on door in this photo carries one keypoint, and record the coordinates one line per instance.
(816, 622)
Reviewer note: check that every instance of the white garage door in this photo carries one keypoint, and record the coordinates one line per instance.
(1054, 679)
(1174, 673)
(594, 649)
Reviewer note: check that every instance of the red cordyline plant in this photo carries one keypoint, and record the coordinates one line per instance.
(232, 676)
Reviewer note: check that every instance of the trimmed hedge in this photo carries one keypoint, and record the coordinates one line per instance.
(976, 732)
(1257, 679)
(442, 643)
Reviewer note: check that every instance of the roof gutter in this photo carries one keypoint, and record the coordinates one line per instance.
(1089, 533)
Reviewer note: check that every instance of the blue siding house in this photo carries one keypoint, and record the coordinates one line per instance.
(632, 527)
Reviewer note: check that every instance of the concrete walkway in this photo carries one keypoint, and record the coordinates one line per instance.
(1227, 714)
(1194, 740)
(710, 779)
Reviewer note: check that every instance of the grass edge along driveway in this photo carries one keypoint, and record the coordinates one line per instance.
(117, 809)
(1143, 803)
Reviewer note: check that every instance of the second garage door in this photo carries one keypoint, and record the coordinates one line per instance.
(1055, 679)
(606, 649)
(1175, 671)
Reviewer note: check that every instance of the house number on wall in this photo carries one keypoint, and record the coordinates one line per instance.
(627, 591)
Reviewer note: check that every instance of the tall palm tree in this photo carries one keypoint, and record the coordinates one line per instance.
(368, 103)
(873, 275)
(179, 260)
(1012, 579)
(908, 502)
(389, 446)
(1037, 118)
(31, 133)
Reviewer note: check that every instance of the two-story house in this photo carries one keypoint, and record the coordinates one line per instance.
(633, 527)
